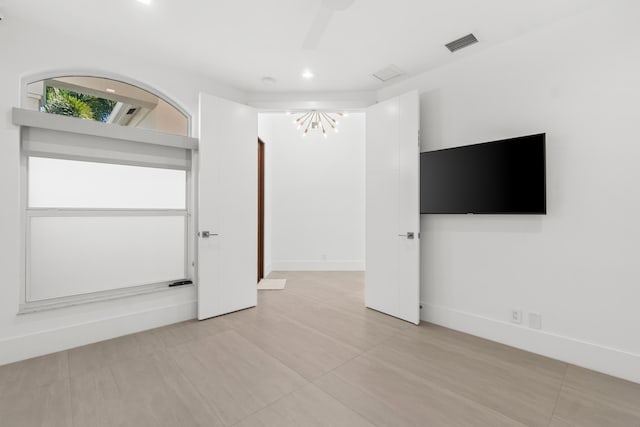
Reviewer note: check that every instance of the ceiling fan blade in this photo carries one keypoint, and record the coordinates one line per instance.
(318, 27)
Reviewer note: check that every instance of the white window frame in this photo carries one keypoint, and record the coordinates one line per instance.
(35, 119)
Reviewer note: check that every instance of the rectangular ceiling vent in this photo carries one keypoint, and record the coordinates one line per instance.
(388, 73)
(462, 42)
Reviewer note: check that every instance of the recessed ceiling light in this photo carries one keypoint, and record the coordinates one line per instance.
(145, 2)
(307, 74)
(110, 90)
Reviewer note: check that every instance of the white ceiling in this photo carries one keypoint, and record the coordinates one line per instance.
(239, 42)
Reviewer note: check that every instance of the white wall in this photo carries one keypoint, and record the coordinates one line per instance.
(578, 266)
(26, 50)
(315, 189)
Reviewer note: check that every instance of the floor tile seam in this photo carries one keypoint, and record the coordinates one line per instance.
(295, 389)
(33, 388)
(358, 352)
(360, 389)
(166, 346)
(260, 349)
(446, 391)
(278, 359)
(70, 399)
(65, 375)
(310, 297)
(196, 339)
(318, 331)
(605, 400)
(343, 363)
(327, 303)
(434, 381)
(347, 313)
(193, 386)
(434, 384)
(330, 338)
(111, 363)
(562, 383)
(342, 404)
(68, 380)
(494, 361)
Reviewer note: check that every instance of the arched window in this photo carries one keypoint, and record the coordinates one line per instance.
(108, 190)
(105, 100)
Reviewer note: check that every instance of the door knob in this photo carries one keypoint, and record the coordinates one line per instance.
(409, 235)
(206, 234)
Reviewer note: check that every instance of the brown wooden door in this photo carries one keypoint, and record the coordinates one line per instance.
(260, 209)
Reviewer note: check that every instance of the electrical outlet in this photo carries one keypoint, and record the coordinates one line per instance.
(516, 316)
(535, 320)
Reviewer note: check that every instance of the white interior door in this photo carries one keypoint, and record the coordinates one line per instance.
(228, 207)
(393, 208)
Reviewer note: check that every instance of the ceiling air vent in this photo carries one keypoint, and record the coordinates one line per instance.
(388, 73)
(462, 42)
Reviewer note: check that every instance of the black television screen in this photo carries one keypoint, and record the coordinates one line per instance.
(500, 177)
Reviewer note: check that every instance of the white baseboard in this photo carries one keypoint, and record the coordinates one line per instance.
(50, 341)
(599, 358)
(318, 265)
(267, 270)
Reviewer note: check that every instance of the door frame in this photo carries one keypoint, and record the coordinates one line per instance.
(261, 164)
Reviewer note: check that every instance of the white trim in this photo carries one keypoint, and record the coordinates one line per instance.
(63, 302)
(24, 222)
(195, 217)
(23, 347)
(190, 241)
(317, 266)
(267, 270)
(37, 119)
(93, 212)
(599, 358)
(302, 101)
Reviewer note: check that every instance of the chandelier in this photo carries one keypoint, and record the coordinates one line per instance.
(320, 120)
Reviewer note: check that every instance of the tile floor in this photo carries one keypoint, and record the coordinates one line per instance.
(310, 355)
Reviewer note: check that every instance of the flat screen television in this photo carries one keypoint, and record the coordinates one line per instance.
(499, 177)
